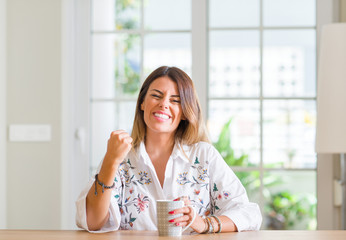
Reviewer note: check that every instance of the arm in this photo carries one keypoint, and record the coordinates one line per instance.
(200, 225)
(97, 205)
(229, 199)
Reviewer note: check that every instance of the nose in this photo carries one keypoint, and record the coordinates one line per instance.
(164, 103)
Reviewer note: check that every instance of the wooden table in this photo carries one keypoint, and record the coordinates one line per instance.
(151, 235)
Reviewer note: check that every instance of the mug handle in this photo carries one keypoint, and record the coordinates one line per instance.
(193, 219)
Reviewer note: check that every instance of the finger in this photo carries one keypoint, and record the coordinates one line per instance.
(186, 200)
(183, 218)
(184, 210)
(128, 139)
(121, 136)
(116, 132)
(181, 224)
(182, 198)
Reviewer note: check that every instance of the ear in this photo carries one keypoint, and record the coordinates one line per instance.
(142, 108)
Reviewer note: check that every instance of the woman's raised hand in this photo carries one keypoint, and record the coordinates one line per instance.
(119, 144)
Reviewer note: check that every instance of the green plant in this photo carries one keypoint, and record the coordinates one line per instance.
(223, 145)
(284, 209)
(127, 74)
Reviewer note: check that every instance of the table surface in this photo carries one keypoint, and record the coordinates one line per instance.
(152, 235)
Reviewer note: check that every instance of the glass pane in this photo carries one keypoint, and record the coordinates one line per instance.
(167, 14)
(103, 122)
(289, 133)
(289, 12)
(237, 142)
(170, 49)
(105, 118)
(126, 115)
(290, 200)
(110, 15)
(234, 63)
(234, 13)
(289, 63)
(115, 65)
(251, 182)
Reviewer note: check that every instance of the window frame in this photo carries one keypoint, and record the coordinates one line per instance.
(327, 11)
(261, 98)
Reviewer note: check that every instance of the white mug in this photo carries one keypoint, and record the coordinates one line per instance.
(164, 226)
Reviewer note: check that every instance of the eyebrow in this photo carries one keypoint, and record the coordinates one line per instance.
(162, 93)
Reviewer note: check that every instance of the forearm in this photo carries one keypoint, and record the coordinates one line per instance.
(97, 205)
(227, 225)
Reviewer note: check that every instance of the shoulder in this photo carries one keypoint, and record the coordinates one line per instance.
(205, 147)
(203, 150)
(199, 146)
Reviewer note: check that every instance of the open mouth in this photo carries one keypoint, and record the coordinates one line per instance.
(162, 116)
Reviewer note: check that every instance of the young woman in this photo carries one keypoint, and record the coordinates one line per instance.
(168, 156)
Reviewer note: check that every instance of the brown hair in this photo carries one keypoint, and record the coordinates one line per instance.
(189, 131)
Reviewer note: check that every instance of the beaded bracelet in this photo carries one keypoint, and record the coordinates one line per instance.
(102, 185)
(219, 222)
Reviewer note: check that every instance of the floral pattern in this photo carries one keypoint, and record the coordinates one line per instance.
(207, 180)
(197, 178)
(140, 202)
(201, 180)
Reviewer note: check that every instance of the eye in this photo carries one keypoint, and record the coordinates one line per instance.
(175, 101)
(155, 96)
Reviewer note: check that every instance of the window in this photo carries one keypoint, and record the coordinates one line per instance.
(262, 78)
(261, 85)
(129, 40)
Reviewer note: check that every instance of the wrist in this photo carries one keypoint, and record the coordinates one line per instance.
(199, 224)
(111, 162)
(206, 225)
(107, 173)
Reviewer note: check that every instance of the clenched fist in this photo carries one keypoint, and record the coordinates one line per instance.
(119, 144)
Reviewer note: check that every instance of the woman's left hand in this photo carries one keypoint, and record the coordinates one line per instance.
(198, 224)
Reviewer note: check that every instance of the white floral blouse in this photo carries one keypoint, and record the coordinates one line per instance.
(197, 171)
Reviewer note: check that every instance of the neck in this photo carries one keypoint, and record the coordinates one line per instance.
(159, 144)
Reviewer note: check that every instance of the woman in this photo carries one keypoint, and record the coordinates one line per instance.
(167, 156)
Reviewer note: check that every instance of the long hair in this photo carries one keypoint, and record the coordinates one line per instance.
(189, 131)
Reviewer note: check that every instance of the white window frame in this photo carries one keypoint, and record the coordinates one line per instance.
(76, 163)
(75, 60)
(261, 98)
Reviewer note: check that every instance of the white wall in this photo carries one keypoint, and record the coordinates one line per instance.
(3, 215)
(32, 65)
(33, 97)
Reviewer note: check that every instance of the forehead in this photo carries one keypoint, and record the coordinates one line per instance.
(164, 84)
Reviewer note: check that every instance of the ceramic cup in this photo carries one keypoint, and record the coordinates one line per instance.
(166, 228)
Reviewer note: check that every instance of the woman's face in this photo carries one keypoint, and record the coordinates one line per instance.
(161, 106)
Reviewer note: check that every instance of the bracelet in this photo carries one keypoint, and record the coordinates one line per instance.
(206, 225)
(211, 227)
(219, 222)
(102, 185)
(212, 223)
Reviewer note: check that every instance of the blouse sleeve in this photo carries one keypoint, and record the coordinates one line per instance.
(113, 222)
(228, 195)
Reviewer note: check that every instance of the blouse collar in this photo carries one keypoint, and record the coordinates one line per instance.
(179, 151)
